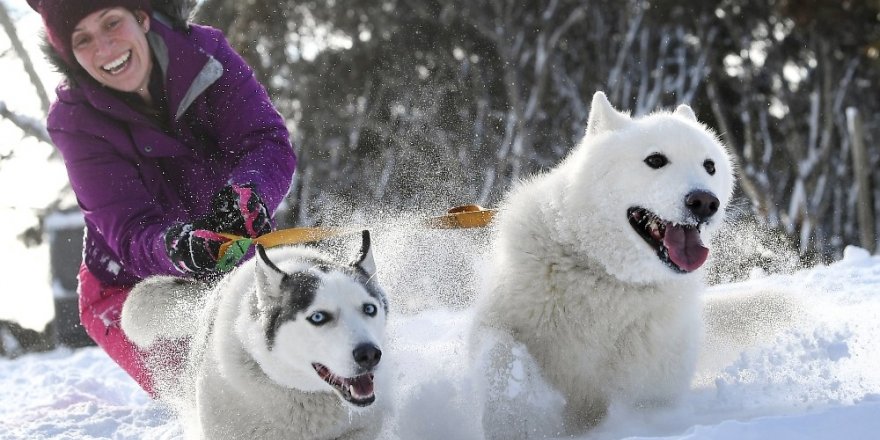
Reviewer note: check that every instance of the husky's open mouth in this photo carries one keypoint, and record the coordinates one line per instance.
(356, 390)
(679, 246)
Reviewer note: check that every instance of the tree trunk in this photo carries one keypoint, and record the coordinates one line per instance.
(865, 205)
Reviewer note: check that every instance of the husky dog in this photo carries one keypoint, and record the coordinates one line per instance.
(285, 346)
(597, 272)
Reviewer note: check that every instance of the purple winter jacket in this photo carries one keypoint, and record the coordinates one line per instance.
(133, 180)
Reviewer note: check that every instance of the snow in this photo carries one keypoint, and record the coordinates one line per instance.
(811, 375)
(63, 220)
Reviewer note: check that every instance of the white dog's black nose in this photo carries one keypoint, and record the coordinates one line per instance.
(702, 204)
(367, 355)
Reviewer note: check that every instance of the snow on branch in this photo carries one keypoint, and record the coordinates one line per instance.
(30, 126)
(8, 25)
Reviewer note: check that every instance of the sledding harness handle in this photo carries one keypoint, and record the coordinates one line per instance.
(462, 217)
(231, 252)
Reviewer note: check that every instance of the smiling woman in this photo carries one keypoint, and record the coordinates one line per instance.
(111, 45)
(170, 145)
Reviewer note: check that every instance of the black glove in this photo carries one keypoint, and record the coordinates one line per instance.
(194, 247)
(239, 210)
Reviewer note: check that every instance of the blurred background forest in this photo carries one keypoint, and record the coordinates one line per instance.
(422, 104)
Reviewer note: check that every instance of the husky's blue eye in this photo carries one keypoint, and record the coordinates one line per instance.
(370, 309)
(656, 161)
(709, 165)
(319, 318)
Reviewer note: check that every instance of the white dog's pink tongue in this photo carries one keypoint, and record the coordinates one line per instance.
(685, 247)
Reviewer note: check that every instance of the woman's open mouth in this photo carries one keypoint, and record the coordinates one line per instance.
(116, 66)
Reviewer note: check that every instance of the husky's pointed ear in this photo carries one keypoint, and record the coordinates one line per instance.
(686, 112)
(269, 278)
(603, 117)
(364, 260)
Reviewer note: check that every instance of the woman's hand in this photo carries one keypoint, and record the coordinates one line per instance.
(239, 210)
(193, 247)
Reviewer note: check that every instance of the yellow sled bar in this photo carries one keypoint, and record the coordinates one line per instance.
(460, 217)
(285, 236)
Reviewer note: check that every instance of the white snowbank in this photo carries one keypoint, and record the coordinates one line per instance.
(812, 375)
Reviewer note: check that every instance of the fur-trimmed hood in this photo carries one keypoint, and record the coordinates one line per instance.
(176, 12)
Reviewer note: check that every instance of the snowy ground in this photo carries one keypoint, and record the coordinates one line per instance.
(811, 374)
(814, 374)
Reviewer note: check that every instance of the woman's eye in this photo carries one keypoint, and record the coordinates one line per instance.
(80, 42)
(112, 24)
(319, 318)
(370, 309)
(656, 161)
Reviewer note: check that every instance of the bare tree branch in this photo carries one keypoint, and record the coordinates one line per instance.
(30, 126)
(9, 27)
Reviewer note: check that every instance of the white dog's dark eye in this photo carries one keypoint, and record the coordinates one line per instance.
(319, 318)
(370, 309)
(709, 165)
(656, 160)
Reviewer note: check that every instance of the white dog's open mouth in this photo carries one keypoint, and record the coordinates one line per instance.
(679, 246)
(356, 390)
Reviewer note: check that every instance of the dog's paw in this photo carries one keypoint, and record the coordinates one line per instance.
(518, 403)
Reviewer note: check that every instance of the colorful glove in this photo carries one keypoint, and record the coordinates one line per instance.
(193, 247)
(239, 210)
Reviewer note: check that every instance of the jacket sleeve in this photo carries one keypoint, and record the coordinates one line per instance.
(249, 129)
(114, 199)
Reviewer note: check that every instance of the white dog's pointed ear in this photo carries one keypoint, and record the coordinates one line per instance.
(269, 278)
(603, 117)
(364, 260)
(685, 111)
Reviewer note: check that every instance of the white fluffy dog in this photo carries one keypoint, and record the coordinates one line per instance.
(597, 271)
(285, 346)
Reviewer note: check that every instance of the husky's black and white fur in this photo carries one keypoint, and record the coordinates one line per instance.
(285, 346)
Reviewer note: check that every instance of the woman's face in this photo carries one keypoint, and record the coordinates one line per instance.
(111, 45)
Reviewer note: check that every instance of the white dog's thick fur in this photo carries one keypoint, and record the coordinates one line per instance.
(597, 271)
(285, 346)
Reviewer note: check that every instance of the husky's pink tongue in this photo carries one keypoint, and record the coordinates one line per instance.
(362, 386)
(686, 249)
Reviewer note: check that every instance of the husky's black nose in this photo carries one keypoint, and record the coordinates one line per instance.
(367, 355)
(702, 204)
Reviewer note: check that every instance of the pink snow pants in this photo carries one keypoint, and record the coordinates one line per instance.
(100, 308)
